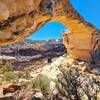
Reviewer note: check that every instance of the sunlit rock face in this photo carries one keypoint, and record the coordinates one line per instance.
(79, 45)
(20, 18)
(82, 46)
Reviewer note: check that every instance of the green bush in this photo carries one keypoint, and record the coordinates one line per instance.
(44, 85)
(41, 82)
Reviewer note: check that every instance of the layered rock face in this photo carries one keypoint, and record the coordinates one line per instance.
(83, 46)
(20, 18)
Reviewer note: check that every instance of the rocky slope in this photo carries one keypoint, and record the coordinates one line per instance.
(52, 70)
(62, 79)
(19, 19)
(67, 80)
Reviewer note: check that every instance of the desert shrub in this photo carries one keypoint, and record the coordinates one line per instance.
(23, 74)
(10, 77)
(8, 74)
(6, 68)
(26, 84)
(44, 85)
(20, 74)
(41, 82)
(26, 74)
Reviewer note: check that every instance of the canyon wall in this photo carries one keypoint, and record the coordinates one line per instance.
(20, 18)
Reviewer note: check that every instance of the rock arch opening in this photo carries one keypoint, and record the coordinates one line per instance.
(52, 30)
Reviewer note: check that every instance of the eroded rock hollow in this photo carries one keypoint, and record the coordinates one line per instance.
(20, 18)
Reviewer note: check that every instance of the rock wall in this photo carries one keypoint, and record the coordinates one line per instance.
(20, 18)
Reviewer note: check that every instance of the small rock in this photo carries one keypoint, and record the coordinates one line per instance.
(38, 95)
(52, 85)
(84, 97)
(81, 64)
(84, 69)
(55, 91)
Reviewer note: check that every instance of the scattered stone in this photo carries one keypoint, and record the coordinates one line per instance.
(55, 91)
(52, 85)
(84, 68)
(38, 95)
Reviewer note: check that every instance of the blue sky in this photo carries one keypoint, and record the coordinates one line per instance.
(89, 9)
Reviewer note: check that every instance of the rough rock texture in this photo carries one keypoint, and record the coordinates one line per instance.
(19, 18)
(72, 82)
(83, 46)
(63, 80)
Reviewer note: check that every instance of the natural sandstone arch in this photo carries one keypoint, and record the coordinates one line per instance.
(19, 18)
